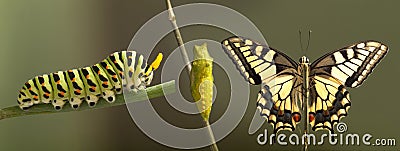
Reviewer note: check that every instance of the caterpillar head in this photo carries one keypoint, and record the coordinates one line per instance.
(24, 100)
(148, 76)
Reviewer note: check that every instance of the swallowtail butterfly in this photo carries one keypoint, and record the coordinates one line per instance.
(125, 69)
(286, 83)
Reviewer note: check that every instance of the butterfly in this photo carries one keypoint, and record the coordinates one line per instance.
(285, 84)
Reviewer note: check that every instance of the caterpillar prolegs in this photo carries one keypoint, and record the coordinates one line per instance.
(125, 69)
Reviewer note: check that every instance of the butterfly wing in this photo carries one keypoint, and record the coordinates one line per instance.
(332, 73)
(279, 99)
(255, 61)
(277, 73)
(330, 102)
(351, 65)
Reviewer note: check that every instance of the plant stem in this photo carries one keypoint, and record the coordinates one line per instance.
(150, 92)
(178, 36)
(213, 146)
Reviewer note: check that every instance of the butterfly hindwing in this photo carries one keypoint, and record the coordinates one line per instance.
(277, 101)
(330, 102)
(351, 65)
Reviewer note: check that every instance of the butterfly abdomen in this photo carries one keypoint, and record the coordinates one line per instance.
(74, 86)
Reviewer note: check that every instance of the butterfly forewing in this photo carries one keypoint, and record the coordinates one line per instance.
(256, 62)
(351, 65)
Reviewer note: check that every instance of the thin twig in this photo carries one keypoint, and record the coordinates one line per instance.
(178, 36)
(151, 92)
(213, 146)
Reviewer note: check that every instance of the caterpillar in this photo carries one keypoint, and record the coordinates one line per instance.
(120, 70)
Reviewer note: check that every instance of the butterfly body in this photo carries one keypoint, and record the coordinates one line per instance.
(304, 68)
(314, 94)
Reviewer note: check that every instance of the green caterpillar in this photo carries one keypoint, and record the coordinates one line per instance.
(120, 70)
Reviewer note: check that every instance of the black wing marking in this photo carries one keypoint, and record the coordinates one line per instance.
(351, 65)
(256, 62)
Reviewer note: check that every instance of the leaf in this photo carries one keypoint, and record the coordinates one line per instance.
(152, 92)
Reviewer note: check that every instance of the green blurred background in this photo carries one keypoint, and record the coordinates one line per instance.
(44, 36)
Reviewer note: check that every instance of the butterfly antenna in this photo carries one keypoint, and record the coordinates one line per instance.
(309, 39)
(301, 44)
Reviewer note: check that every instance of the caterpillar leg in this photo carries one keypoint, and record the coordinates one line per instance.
(135, 88)
(75, 102)
(59, 103)
(92, 100)
(142, 85)
(109, 95)
(138, 83)
(25, 106)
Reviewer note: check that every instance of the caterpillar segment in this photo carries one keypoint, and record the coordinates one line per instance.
(116, 61)
(45, 87)
(33, 91)
(121, 70)
(112, 75)
(106, 87)
(92, 87)
(25, 100)
(133, 81)
(76, 88)
(60, 89)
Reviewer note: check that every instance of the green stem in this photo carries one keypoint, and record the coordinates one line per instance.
(151, 92)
